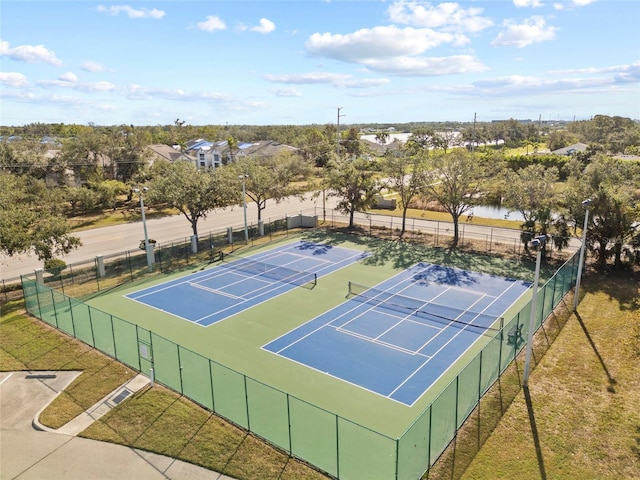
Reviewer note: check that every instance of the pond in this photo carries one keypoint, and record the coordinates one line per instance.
(490, 211)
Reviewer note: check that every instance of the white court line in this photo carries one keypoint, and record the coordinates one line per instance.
(447, 343)
(379, 342)
(213, 290)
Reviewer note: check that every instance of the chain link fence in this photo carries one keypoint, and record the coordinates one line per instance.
(332, 443)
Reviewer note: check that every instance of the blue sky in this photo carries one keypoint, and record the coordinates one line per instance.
(297, 62)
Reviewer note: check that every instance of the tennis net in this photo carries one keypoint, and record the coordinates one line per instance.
(442, 314)
(272, 272)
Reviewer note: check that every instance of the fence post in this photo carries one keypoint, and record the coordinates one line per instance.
(39, 275)
(490, 239)
(100, 266)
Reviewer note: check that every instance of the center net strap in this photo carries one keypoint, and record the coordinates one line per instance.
(273, 272)
(475, 321)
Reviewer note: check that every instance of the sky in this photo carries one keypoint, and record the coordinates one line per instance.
(300, 62)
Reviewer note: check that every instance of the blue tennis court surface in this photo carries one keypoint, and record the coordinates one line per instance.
(400, 337)
(212, 295)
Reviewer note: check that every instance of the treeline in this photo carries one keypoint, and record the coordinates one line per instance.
(611, 134)
(108, 162)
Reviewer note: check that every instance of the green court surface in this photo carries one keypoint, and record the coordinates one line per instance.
(236, 341)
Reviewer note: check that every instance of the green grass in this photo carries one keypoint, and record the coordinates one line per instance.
(584, 397)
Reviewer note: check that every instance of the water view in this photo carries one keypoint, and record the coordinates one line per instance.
(489, 211)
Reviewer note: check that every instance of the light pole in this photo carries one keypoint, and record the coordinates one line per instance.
(586, 204)
(244, 206)
(537, 243)
(147, 245)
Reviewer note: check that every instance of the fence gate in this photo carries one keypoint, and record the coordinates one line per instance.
(145, 349)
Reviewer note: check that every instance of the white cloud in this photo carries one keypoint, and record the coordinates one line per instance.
(532, 30)
(527, 3)
(29, 54)
(90, 87)
(395, 51)
(572, 3)
(445, 16)
(13, 79)
(287, 92)
(335, 79)
(132, 12)
(211, 24)
(266, 26)
(427, 66)
(567, 82)
(91, 66)
(308, 78)
(376, 43)
(68, 77)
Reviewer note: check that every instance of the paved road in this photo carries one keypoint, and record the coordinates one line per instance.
(29, 454)
(119, 238)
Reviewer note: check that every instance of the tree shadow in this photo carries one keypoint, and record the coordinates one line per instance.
(620, 285)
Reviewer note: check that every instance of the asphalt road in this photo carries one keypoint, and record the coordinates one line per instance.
(119, 238)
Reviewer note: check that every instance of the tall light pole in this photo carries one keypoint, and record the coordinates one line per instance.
(537, 243)
(244, 206)
(147, 246)
(586, 204)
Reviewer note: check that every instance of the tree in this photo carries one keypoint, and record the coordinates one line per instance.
(560, 139)
(317, 147)
(454, 180)
(353, 184)
(614, 214)
(31, 219)
(194, 193)
(350, 142)
(530, 192)
(382, 137)
(271, 178)
(407, 176)
(419, 139)
(232, 143)
(444, 140)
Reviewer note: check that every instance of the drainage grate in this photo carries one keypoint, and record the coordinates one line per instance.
(40, 376)
(121, 396)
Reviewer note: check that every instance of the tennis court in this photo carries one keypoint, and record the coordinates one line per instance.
(239, 283)
(398, 338)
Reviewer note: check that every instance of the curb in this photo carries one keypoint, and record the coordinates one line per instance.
(99, 409)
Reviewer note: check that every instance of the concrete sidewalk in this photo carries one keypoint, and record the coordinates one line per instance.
(29, 450)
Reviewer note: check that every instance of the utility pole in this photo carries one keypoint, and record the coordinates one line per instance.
(474, 131)
(338, 143)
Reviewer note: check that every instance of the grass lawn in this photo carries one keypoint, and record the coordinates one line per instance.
(155, 419)
(580, 420)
